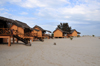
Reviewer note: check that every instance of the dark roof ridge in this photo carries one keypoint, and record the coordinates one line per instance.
(15, 22)
(60, 30)
(41, 28)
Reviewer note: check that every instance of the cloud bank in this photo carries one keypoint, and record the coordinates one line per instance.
(80, 14)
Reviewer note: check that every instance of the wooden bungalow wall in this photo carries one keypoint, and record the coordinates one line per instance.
(19, 29)
(58, 33)
(39, 33)
(73, 34)
(4, 37)
(5, 40)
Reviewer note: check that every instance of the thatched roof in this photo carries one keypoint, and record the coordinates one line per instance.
(60, 30)
(38, 27)
(73, 31)
(66, 31)
(34, 29)
(48, 31)
(41, 29)
(23, 25)
(15, 22)
(6, 19)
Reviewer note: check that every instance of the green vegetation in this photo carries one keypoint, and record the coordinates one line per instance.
(64, 27)
(52, 35)
(78, 35)
(93, 35)
(71, 38)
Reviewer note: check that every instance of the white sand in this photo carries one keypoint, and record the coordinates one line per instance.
(84, 51)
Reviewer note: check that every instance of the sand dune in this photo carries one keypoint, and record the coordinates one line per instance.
(83, 51)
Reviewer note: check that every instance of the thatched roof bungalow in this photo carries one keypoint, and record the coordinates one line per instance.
(7, 24)
(73, 33)
(59, 33)
(41, 31)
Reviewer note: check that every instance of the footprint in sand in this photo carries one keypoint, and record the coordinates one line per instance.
(63, 55)
(54, 64)
(9, 59)
(78, 61)
(87, 62)
(93, 62)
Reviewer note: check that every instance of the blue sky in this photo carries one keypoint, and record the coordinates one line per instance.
(82, 15)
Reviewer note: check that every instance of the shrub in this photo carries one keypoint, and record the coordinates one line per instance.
(93, 35)
(52, 35)
(54, 43)
(78, 35)
(71, 38)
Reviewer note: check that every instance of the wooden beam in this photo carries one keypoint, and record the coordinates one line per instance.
(32, 39)
(13, 40)
(9, 41)
(16, 40)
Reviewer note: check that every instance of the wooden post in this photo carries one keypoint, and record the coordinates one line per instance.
(32, 39)
(48, 37)
(9, 41)
(13, 40)
(16, 40)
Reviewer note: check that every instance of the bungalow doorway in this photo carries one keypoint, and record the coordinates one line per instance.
(1, 40)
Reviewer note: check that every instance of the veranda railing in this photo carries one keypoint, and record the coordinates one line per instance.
(5, 31)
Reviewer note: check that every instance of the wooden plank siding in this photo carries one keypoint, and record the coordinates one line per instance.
(39, 33)
(58, 33)
(14, 27)
(20, 32)
(9, 39)
(73, 34)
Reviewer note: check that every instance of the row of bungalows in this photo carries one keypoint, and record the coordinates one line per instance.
(5, 32)
(21, 31)
(13, 29)
(58, 33)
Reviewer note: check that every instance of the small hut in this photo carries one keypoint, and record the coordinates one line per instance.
(23, 30)
(12, 28)
(41, 32)
(5, 32)
(58, 33)
(73, 33)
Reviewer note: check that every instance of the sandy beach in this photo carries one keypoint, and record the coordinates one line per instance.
(83, 51)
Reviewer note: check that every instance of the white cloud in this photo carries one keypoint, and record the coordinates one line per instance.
(73, 11)
(78, 9)
(24, 13)
(67, 16)
(28, 20)
(2, 2)
(3, 9)
(32, 4)
(6, 14)
(62, 9)
(37, 3)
